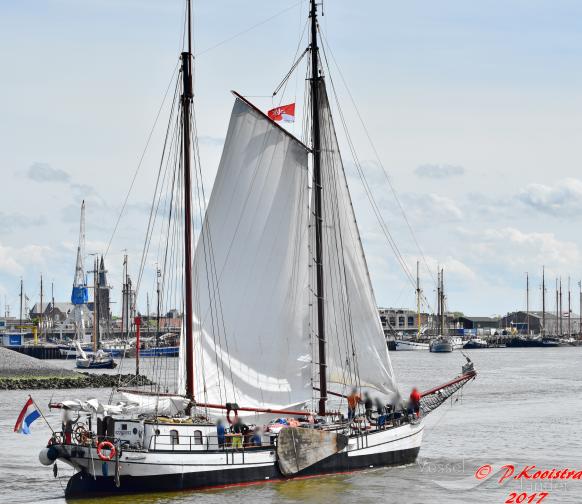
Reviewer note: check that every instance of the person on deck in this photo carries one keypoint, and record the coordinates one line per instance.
(256, 439)
(368, 405)
(239, 429)
(220, 434)
(353, 400)
(415, 401)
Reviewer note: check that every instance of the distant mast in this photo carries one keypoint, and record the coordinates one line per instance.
(527, 301)
(569, 311)
(417, 301)
(543, 331)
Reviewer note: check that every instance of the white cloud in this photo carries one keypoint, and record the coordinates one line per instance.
(15, 260)
(439, 171)
(514, 248)
(15, 221)
(43, 172)
(564, 198)
(430, 208)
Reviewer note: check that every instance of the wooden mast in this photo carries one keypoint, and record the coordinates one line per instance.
(318, 208)
(186, 103)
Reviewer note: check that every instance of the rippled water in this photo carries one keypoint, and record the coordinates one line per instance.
(524, 408)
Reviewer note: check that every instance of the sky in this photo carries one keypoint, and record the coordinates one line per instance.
(473, 109)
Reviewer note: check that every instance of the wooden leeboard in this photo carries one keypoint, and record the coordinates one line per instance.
(299, 448)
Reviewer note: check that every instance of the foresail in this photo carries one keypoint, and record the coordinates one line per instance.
(250, 270)
(357, 354)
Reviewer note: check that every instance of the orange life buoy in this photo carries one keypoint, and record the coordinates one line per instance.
(106, 445)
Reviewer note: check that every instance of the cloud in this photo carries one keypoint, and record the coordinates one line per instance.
(43, 172)
(439, 171)
(12, 222)
(564, 198)
(17, 260)
(452, 266)
(431, 208)
(516, 249)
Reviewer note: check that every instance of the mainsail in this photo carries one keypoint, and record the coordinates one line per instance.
(250, 270)
(254, 328)
(357, 354)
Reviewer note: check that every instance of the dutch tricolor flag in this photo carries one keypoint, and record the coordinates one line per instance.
(28, 415)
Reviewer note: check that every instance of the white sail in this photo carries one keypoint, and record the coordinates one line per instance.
(357, 354)
(250, 271)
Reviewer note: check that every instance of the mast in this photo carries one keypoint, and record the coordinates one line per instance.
(417, 302)
(543, 301)
(40, 321)
(148, 311)
(527, 301)
(186, 102)
(52, 307)
(438, 302)
(442, 301)
(96, 301)
(561, 307)
(569, 311)
(318, 210)
(124, 299)
(580, 311)
(557, 308)
(21, 299)
(158, 273)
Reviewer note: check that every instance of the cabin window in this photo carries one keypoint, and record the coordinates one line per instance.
(174, 438)
(123, 426)
(410, 321)
(197, 437)
(392, 321)
(400, 321)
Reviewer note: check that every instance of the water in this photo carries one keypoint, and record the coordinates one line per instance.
(524, 408)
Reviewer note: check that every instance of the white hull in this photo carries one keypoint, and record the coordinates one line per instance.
(181, 467)
(406, 345)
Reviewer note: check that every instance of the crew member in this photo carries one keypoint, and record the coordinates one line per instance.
(220, 433)
(353, 401)
(415, 401)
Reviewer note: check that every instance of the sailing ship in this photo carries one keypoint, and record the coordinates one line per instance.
(443, 343)
(280, 321)
(416, 343)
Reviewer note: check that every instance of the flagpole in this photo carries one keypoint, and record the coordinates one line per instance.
(39, 410)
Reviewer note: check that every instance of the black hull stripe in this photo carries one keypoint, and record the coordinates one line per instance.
(83, 484)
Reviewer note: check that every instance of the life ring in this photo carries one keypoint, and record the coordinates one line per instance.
(106, 445)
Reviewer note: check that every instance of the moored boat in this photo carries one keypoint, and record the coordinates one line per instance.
(475, 343)
(441, 344)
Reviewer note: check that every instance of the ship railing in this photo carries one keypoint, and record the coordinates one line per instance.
(205, 443)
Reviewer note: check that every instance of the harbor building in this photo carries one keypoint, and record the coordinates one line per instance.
(479, 326)
(402, 320)
(532, 323)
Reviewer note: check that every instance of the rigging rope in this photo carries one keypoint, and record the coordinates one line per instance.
(378, 160)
